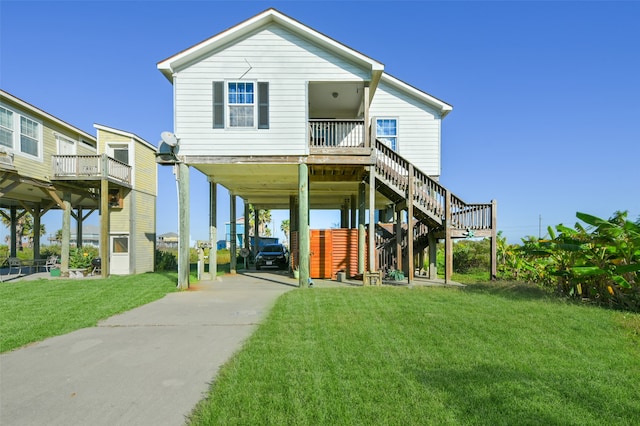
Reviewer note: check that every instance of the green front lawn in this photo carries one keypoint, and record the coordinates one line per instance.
(34, 310)
(484, 355)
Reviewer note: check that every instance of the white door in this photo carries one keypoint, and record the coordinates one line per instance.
(119, 261)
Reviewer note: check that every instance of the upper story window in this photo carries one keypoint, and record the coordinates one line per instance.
(120, 153)
(240, 104)
(387, 131)
(6, 127)
(20, 133)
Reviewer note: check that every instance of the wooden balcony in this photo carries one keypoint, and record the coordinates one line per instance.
(338, 137)
(90, 167)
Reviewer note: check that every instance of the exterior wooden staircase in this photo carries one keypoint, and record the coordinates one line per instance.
(436, 212)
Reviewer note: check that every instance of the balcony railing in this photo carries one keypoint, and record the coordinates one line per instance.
(90, 167)
(330, 134)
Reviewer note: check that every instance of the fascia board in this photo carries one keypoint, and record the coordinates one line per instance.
(442, 106)
(38, 112)
(125, 134)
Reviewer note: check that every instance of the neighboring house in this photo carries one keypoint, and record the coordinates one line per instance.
(167, 241)
(288, 118)
(90, 237)
(46, 163)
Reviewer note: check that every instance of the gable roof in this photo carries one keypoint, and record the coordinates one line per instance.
(269, 16)
(125, 134)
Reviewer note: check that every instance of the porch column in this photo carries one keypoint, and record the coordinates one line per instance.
(183, 227)
(372, 225)
(304, 244)
(246, 242)
(344, 214)
(362, 203)
(104, 228)
(448, 241)
(232, 234)
(213, 230)
(293, 226)
(66, 233)
(433, 253)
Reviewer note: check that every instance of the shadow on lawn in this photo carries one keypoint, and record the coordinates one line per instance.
(510, 290)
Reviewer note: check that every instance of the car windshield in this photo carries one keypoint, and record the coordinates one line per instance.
(272, 249)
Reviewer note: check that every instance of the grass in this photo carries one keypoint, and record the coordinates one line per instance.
(34, 310)
(484, 355)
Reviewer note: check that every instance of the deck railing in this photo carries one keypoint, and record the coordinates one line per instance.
(90, 166)
(336, 133)
(428, 194)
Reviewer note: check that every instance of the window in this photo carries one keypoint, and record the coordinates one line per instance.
(20, 133)
(120, 244)
(6, 127)
(240, 104)
(121, 153)
(387, 132)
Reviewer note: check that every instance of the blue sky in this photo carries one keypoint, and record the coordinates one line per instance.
(546, 116)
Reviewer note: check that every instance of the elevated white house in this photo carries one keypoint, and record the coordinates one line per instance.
(288, 118)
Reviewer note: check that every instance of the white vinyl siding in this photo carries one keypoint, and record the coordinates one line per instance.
(420, 139)
(274, 55)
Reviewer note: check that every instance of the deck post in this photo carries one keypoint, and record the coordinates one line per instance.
(213, 230)
(411, 261)
(246, 243)
(304, 244)
(233, 236)
(367, 133)
(494, 240)
(104, 227)
(352, 219)
(361, 229)
(372, 225)
(256, 230)
(448, 241)
(183, 227)
(66, 233)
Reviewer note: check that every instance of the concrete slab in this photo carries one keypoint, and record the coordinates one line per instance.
(148, 366)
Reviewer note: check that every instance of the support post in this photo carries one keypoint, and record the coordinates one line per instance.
(304, 245)
(372, 225)
(494, 240)
(213, 230)
(410, 257)
(247, 241)
(362, 203)
(13, 249)
(79, 228)
(256, 231)
(232, 235)
(398, 233)
(36, 231)
(448, 241)
(352, 219)
(183, 226)
(104, 228)
(66, 233)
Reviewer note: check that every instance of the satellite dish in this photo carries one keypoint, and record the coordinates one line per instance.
(166, 154)
(169, 138)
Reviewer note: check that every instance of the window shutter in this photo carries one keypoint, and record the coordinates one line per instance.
(263, 105)
(218, 105)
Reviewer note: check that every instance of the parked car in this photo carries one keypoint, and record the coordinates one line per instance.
(272, 255)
